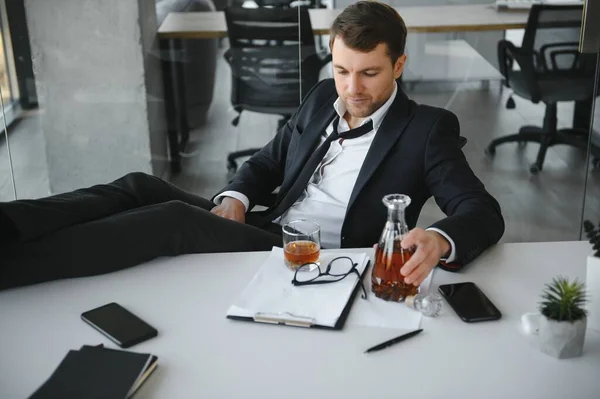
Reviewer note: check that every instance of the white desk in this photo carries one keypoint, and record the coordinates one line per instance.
(442, 18)
(421, 19)
(446, 61)
(203, 355)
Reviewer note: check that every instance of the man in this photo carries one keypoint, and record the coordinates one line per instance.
(353, 140)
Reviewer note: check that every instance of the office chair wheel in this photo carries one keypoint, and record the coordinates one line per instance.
(535, 169)
(490, 150)
(232, 166)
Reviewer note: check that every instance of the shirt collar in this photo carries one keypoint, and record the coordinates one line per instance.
(376, 117)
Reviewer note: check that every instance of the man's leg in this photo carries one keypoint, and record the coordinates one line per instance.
(25, 220)
(127, 239)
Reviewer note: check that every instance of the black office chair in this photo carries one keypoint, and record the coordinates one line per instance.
(290, 3)
(274, 3)
(551, 70)
(273, 63)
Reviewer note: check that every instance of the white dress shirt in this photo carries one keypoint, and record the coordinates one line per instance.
(326, 197)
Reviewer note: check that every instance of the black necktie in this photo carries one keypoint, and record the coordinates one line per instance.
(311, 165)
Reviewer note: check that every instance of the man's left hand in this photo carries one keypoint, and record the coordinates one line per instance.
(431, 246)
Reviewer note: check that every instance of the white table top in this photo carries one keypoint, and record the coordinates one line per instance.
(203, 354)
(448, 60)
(437, 18)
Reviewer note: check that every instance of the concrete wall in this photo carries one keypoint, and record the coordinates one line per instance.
(155, 112)
(99, 89)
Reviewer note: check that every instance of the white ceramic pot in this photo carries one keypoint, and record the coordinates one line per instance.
(561, 339)
(592, 287)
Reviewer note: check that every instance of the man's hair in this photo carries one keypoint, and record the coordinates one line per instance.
(365, 24)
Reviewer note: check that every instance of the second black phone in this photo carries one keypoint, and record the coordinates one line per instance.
(469, 302)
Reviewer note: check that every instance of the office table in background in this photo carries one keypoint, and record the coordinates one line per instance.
(203, 354)
(421, 19)
(205, 25)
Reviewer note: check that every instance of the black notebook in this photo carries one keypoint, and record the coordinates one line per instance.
(98, 373)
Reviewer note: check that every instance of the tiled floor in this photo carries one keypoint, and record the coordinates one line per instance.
(536, 208)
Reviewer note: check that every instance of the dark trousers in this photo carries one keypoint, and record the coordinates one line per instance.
(114, 226)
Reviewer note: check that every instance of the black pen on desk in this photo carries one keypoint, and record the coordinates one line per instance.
(393, 341)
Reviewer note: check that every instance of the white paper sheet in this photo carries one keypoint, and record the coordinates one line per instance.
(271, 291)
(375, 312)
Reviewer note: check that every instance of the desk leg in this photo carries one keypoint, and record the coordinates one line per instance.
(582, 115)
(184, 129)
(168, 69)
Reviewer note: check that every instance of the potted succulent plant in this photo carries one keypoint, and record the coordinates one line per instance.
(593, 275)
(563, 322)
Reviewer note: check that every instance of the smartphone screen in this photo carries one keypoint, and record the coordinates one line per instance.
(469, 302)
(119, 325)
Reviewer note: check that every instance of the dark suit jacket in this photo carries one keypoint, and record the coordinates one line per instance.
(416, 152)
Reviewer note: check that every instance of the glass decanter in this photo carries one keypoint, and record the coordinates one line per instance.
(386, 280)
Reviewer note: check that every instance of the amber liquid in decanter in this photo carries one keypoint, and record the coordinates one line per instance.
(387, 282)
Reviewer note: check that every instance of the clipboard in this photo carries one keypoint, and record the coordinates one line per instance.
(290, 320)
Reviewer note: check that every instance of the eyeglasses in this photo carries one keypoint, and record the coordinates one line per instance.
(338, 269)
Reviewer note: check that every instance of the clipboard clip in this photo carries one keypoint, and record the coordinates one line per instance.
(284, 318)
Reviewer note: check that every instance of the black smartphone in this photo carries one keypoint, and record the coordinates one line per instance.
(119, 325)
(469, 302)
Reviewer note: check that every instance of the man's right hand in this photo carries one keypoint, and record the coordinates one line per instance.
(231, 208)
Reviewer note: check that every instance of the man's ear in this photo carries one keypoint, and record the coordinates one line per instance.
(399, 66)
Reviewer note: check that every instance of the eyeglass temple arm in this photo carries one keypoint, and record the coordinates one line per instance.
(364, 295)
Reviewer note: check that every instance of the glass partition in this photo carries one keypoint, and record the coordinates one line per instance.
(9, 92)
(103, 80)
(453, 63)
(591, 209)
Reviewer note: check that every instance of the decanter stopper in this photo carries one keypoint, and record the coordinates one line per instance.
(429, 305)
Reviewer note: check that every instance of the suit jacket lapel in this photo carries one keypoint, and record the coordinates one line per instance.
(310, 139)
(393, 125)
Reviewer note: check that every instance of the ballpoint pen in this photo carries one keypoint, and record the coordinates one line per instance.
(393, 341)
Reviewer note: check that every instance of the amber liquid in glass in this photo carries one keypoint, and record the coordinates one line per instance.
(298, 253)
(386, 280)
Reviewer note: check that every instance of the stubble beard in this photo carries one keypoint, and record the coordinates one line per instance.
(363, 111)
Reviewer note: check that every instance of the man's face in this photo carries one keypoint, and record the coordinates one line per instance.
(364, 81)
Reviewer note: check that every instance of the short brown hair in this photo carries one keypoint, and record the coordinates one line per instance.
(365, 24)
